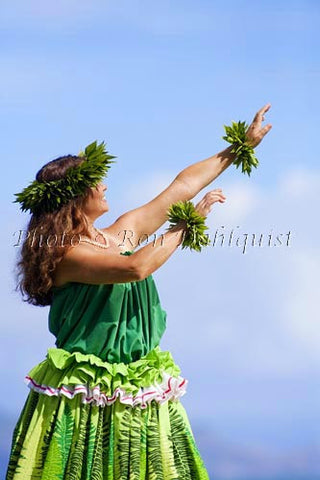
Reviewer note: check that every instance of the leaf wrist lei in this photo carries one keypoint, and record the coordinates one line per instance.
(39, 197)
(236, 135)
(195, 237)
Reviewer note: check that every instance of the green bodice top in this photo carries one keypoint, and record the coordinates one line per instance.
(118, 322)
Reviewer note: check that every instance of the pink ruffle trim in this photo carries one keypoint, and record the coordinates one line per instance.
(171, 388)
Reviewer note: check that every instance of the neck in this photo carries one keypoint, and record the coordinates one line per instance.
(95, 235)
(91, 228)
(93, 232)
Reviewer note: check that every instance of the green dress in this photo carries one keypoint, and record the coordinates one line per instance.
(105, 402)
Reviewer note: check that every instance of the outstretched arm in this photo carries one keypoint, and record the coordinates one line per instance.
(188, 183)
(94, 265)
(201, 174)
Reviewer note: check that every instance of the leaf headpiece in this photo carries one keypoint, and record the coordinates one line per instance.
(49, 196)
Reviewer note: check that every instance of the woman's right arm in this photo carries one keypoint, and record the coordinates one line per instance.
(87, 264)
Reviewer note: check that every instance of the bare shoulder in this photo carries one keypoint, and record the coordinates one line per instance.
(128, 232)
(122, 234)
(87, 263)
(75, 255)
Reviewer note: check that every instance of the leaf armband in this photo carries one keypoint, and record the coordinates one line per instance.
(236, 135)
(195, 237)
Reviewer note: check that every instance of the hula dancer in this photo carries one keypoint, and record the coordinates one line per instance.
(105, 402)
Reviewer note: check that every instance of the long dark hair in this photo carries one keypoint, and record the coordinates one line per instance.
(39, 256)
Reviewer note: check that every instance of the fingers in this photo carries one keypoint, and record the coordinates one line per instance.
(259, 116)
(265, 108)
(266, 129)
(205, 205)
(214, 196)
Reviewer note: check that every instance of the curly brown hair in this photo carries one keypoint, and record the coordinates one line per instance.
(38, 256)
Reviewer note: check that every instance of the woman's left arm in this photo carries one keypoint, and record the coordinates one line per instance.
(200, 174)
(146, 219)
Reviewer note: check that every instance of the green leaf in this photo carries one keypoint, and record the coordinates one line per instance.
(236, 135)
(41, 197)
(194, 237)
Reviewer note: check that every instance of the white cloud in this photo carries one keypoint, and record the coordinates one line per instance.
(300, 182)
(241, 201)
(301, 305)
(267, 311)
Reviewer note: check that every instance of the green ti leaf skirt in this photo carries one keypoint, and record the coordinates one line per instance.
(64, 432)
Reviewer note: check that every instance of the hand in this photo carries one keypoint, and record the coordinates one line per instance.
(205, 205)
(256, 132)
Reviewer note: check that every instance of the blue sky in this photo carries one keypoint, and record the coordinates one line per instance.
(157, 81)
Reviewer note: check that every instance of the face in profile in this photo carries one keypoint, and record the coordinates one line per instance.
(96, 203)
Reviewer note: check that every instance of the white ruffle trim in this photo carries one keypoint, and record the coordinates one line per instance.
(171, 388)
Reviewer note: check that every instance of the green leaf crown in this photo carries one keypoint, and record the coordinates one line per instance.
(39, 197)
(236, 135)
(195, 236)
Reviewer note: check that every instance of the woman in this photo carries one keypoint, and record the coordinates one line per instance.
(105, 403)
